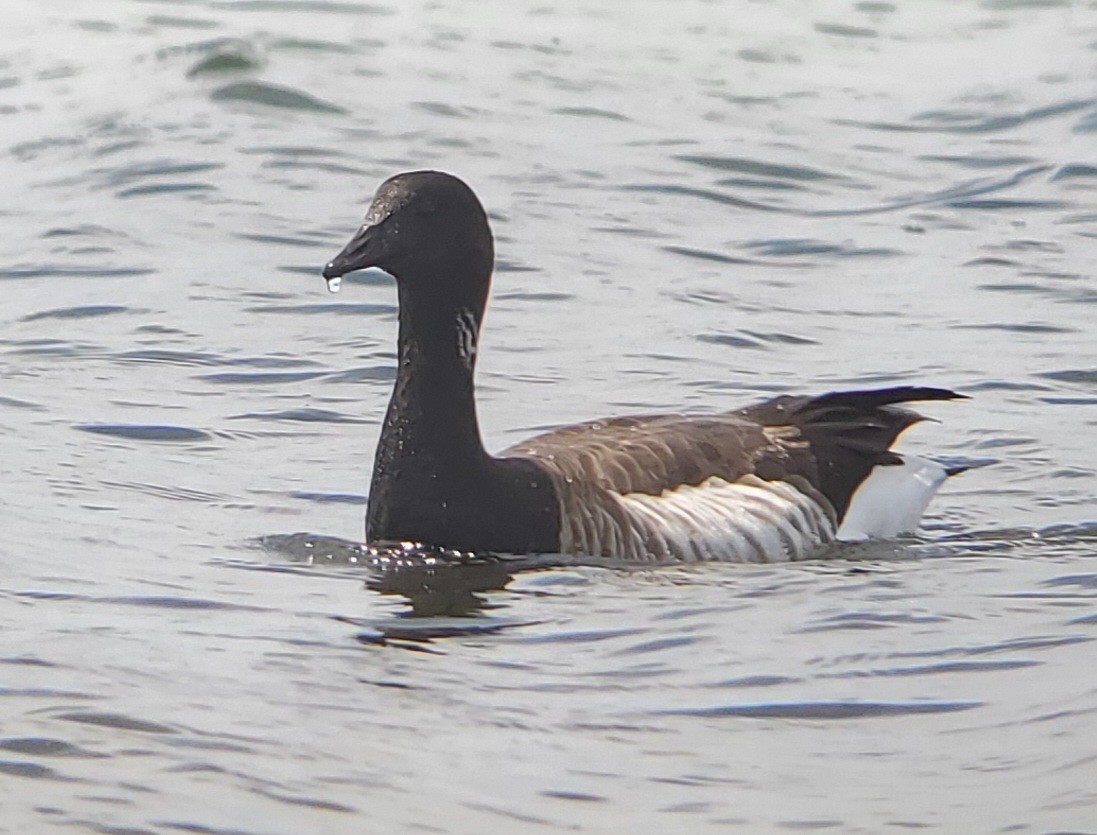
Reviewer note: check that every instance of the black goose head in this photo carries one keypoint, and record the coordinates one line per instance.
(429, 231)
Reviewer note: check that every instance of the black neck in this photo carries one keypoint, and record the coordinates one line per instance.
(430, 442)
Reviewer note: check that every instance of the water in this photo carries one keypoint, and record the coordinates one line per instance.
(696, 205)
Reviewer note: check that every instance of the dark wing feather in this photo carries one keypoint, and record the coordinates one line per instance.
(849, 432)
(826, 444)
(649, 453)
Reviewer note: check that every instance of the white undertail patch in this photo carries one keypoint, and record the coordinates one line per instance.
(892, 499)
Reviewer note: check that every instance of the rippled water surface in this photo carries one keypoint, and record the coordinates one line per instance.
(697, 204)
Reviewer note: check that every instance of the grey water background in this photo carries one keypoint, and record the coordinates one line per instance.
(697, 204)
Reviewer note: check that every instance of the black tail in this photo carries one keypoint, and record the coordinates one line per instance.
(849, 432)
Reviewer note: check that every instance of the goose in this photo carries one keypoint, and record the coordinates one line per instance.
(772, 481)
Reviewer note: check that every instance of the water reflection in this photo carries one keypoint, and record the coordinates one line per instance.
(438, 587)
(436, 582)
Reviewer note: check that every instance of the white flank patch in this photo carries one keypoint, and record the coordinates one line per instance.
(750, 520)
(892, 499)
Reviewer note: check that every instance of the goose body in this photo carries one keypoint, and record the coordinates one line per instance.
(772, 481)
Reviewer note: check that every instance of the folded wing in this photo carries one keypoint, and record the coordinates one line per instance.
(769, 482)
